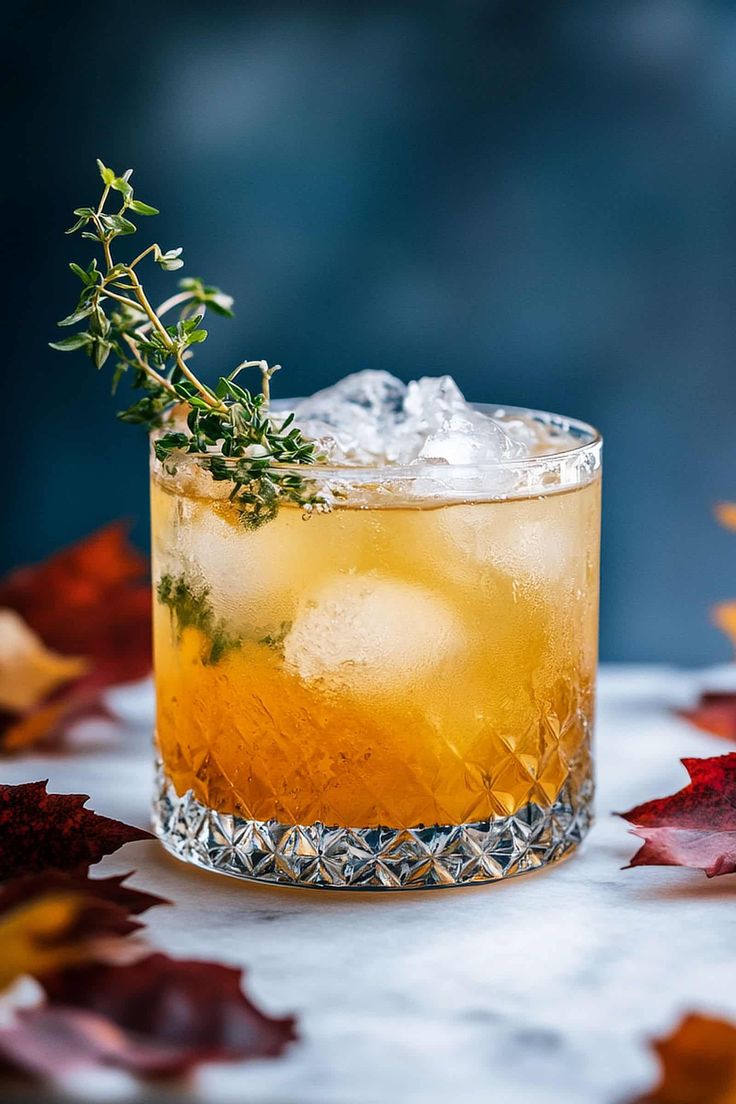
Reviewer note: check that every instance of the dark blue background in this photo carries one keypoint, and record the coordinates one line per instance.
(535, 197)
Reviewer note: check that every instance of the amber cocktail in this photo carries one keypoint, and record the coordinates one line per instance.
(397, 692)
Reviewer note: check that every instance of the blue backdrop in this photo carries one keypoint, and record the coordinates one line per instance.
(535, 197)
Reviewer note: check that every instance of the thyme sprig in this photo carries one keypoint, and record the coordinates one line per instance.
(190, 607)
(231, 430)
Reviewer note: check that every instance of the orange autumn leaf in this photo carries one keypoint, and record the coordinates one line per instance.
(726, 514)
(698, 1064)
(72, 626)
(715, 713)
(724, 616)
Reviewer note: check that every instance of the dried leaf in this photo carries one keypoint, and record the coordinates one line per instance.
(37, 936)
(102, 891)
(91, 602)
(39, 830)
(50, 721)
(111, 890)
(698, 1064)
(56, 919)
(78, 578)
(715, 713)
(197, 1010)
(695, 827)
(724, 617)
(48, 1042)
(29, 671)
(726, 514)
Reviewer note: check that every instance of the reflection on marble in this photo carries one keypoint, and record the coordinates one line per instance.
(542, 988)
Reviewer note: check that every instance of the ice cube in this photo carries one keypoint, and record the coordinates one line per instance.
(538, 437)
(370, 634)
(374, 418)
(525, 430)
(253, 579)
(474, 447)
(460, 440)
(430, 400)
(428, 403)
(531, 541)
(377, 393)
(356, 418)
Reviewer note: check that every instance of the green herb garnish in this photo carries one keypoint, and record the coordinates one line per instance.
(121, 322)
(191, 609)
(276, 639)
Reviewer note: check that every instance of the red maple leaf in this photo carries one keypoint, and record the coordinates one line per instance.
(698, 1064)
(39, 830)
(109, 903)
(48, 1042)
(695, 827)
(715, 713)
(63, 598)
(192, 1011)
(91, 601)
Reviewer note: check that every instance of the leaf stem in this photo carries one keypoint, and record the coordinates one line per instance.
(100, 229)
(148, 309)
(123, 299)
(139, 258)
(234, 437)
(170, 344)
(174, 301)
(103, 199)
(246, 364)
(205, 392)
(150, 372)
(167, 305)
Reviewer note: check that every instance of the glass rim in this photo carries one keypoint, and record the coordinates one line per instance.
(590, 442)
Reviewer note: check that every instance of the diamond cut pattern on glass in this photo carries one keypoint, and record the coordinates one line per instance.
(374, 858)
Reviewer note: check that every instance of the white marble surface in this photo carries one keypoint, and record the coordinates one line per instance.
(543, 988)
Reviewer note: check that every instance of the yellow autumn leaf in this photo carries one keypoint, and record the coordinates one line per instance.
(38, 936)
(29, 671)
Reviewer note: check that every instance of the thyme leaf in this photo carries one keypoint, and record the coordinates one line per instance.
(276, 639)
(191, 608)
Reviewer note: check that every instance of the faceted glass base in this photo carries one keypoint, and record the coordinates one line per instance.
(317, 855)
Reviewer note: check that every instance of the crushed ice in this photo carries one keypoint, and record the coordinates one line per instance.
(373, 418)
